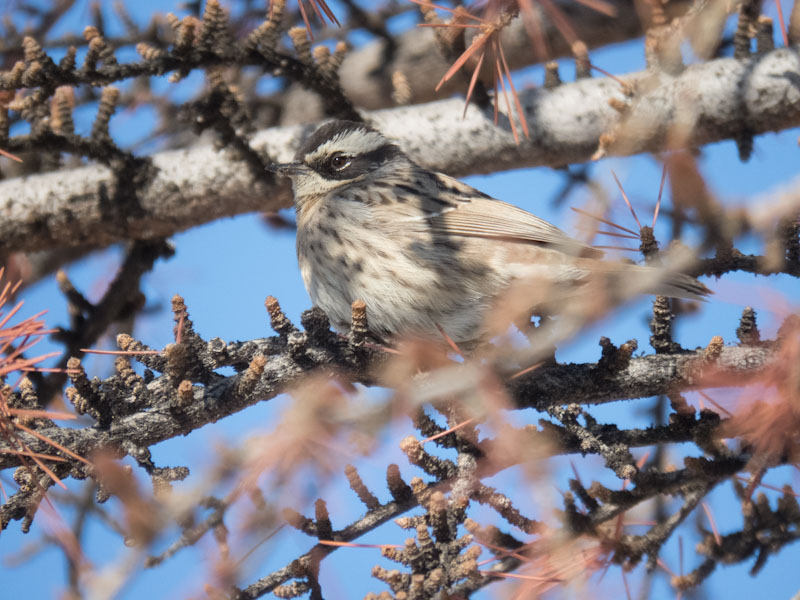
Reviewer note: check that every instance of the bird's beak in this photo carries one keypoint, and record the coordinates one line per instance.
(286, 169)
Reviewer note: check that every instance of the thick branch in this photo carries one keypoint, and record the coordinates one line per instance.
(558, 384)
(643, 377)
(198, 185)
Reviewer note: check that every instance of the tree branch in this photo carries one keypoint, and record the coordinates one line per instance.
(162, 416)
(198, 185)
(365, 75)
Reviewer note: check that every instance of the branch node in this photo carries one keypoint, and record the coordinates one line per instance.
(185, 395)
(714, 349)
(84, 395)
(266, 35)
(583, 66)
(105, 109)
(745, 28)
(661, 327)
(401, 89)
(149, 52)
(298, 521)
(278, 320)
(359, 487)
(316, 324)
(359, 329)
(399, 489)
(747, 332)
(302, 45)
(552, 78)
(615, 359)
(323, 520)
(252, 375)
(214, 36)
(765, 42)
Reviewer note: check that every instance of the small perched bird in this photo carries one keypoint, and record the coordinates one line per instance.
(425, 251)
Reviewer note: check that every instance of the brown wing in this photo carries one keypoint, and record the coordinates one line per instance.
(474, 214)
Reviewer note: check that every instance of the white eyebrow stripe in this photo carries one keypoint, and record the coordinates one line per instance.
(353, 142)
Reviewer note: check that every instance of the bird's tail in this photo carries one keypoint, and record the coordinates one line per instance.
(659, 281)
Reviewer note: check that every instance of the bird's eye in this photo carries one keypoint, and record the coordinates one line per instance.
(339, 162)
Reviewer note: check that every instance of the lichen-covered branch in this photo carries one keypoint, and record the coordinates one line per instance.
(197, 185)
(162, 415)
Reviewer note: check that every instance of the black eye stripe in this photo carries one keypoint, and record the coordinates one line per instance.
(359, 165)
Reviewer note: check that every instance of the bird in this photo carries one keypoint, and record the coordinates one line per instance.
(429, 254)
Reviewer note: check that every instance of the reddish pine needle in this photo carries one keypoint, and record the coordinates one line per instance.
(486, 40)
(43, 414)
(609, 75)
(559, 20)
(580, 211)
(575, 472)
(453, 346)
(52, 442)
(664, 566)
(32, 454)
(714, 529)
(446, 431)
(322, 4)
(783, 25)
(478, 43)
(526, 370)
(48, 370)
(305, 19)
(627, 236)
(744, 479)
(627, 201)
(122, 352)
(625, 583)
(716, 405)
(447, 9)
(179, 330)
(753, 482)
(354, 545)
(520, 576)
(457, 25)
(499, 75)
(516, 553)
(12, 439)
(521, 115)
(641, 462)
(600, 6)
(316, 10)
(660, 193)
(616, 248)
(533, 26)
(473, 80)
(14, 311)
(382, 348)
(11, 156)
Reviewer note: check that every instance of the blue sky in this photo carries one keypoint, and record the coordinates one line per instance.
(224, 286)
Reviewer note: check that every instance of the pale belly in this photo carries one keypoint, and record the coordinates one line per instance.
(408, 290)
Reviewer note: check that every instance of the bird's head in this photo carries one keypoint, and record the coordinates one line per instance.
(337, 155)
